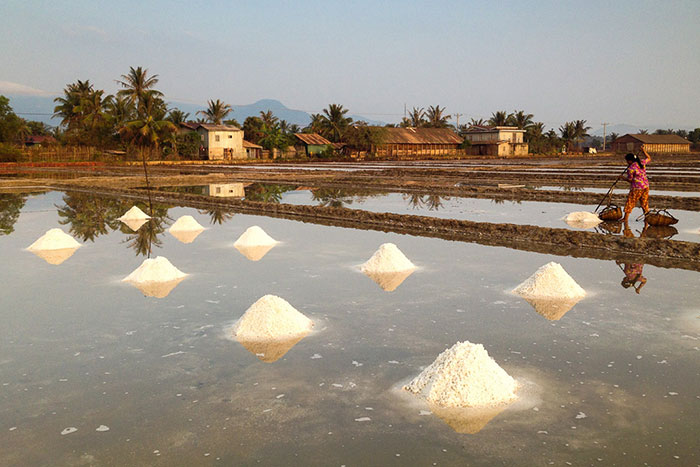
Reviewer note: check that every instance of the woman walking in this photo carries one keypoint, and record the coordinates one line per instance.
(636, 175)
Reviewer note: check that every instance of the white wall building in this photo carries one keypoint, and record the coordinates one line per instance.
(221, 141)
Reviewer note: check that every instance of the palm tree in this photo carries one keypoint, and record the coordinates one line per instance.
(499, 118)
(151, 128)
(177, 116)
(216, 112)
(643, 131)
(568, 133)
(68, 105)
(268, 118)
(218, 215)
(334, 122)
(477, 122)
(136, 85)
(119, 111)
(416, 117)
(521, 120)
(580, 130)
(316, 124)
(435, 117)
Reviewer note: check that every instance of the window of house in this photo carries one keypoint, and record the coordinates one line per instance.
(216, 138)
(230, 136)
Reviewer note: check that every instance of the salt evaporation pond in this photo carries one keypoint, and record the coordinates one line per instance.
(543, 214)
(614, 381)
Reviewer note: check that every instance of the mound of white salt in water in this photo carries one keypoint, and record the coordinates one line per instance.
(271, 318)
(134, 214)
(156, 277)
(254, 236)
(582, 219)
(54, 239)
(186, 229)
(388, 258)
(550, 281)
(464, 376)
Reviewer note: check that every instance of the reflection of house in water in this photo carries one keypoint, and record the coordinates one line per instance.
(226, 190)
(495, 141)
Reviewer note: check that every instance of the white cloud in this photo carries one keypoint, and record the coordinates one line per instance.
(9, 87)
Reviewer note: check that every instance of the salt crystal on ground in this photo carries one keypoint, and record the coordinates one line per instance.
(134, 214)
(69, 430)
(550, 281)
(54, 239)
(102, 428)
(464, 376)
(271, 318)
(254, 236)
(185, 224)
(388, 258)
(582, 219)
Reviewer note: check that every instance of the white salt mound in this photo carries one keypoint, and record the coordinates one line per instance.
(271, 318)
(388, 258)
(550, 281)
(54, 239)
(464, 376)
(185, 224)
(157, 269)
(134, 214)
(582, 219)
(254, 236)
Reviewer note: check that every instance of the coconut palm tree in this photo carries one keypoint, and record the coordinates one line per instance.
(136, 84)
(334, 122)
(268, 118)
(177, 116)
(315, 125)
(416, 117)
(521, 120)
(67, 108)
(499, 118)
(436, 118)
(216, 112)
(477, 122)
(119, 111)
(568, 133)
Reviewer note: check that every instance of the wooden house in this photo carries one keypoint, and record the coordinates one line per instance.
(496, 141)
(397, 142)
(659, 144)
(252, 150)
(311, 144)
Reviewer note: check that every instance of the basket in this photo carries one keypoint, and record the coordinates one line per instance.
(659, 231)
(611, 212)
(659, 218)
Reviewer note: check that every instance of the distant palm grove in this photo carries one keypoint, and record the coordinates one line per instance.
(137, 121)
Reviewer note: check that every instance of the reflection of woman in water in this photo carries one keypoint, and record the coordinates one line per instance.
(633, 274)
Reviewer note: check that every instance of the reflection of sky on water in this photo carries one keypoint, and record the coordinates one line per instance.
(78, 348)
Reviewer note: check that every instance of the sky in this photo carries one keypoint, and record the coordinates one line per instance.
(634, 62)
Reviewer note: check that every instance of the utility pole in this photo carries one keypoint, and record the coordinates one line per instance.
(605, 124)
(404, 110)
(458, 115)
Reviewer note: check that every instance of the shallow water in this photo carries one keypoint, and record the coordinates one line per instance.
(614, 381)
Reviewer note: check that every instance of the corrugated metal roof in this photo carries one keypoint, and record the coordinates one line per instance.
(212, 127)
(421, 136)
(248, 144)
(312, 138)
(657, 139)
(488, 129)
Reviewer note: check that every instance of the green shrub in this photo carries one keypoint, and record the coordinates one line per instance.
(9, 153)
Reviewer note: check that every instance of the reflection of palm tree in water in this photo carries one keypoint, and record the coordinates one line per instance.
(417, 201)
(633, 274)
(218, 215)
(10, 206)
(332, 197)
(268, 193)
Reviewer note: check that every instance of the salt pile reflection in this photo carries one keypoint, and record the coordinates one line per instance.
(186, 229)
(467, 420)
(54, 247)
(254, 243)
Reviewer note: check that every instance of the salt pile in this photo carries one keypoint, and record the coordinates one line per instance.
(388, 258)
(550, 281)
(464, 376)
(134, 214)
(254, 243)
(134, 218)
(156, 277)
(467, 420)
(54, 247)
(582, 219)
(551, 291)
(270, 327)
(186, 229)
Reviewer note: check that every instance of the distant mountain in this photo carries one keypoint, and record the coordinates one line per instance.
(40, 108)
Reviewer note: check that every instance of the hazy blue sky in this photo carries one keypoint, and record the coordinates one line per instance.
(635, 62)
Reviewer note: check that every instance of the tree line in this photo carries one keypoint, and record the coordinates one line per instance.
(137, 119)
